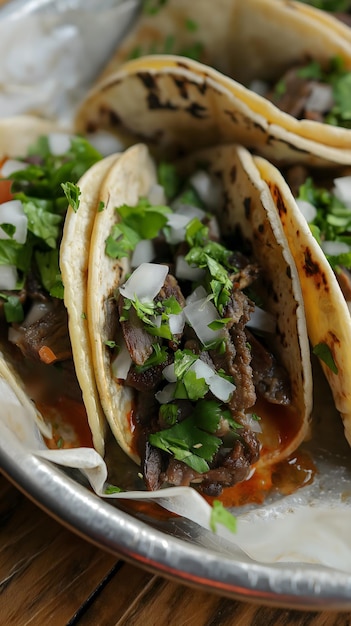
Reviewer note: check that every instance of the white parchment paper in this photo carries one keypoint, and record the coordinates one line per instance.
(310, 526)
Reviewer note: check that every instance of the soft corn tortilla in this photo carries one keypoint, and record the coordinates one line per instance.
(327, 314)
(173, 104)
(74, 256)
(255, 39)
(247, 205)
(18, 133)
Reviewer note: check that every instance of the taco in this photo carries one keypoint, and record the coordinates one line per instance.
(196, 321)
(315, 212)
(173, 104)
(45, 352)
(292, 59)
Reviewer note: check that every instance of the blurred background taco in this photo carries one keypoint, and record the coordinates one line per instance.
(290, 63)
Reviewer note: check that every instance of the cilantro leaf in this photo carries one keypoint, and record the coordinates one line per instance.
(12, 308)
(220, 515)
(72, 193)
(324, 353)
(187, 443)
(48, 265)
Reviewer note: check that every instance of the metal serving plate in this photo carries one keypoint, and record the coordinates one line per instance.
(169, 545)
(174, 547)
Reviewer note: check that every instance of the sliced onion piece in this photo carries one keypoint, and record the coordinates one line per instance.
(12, 165)
(36, 312)
(220, 387)
(145, 282)
(199, 315)
(8, 277)
(320, 99)
(12, 212)
(166, 394)
(121, 364)
(307, 209)
(144, 252)
(198, 294)
(188, 272)
(208, 188)
(168, 373)
(342, 190)
(334, 248)
(156, 195)
(262, 320)
(59, 143)
(105, 142)
(176, 323)
(176, 225)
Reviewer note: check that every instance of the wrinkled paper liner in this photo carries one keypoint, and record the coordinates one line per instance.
(310, 526)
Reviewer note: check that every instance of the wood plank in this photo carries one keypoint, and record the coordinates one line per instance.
(46, 571)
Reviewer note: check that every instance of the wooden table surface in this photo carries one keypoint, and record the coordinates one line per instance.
(51, 577)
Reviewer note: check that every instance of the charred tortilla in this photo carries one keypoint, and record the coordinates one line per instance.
(245, 41)
(327, 312)
(246, 208)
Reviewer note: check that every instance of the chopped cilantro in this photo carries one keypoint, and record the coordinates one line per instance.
(220, 515)
(152, 7)
(169, 179)
(110, 343)
(12, 308)
(143, 221)
(332, 221)
(101, 206)
(183, 439)
(158, 357)
(330, 5)
(324, 353)
(110, 489)
(72, 193)
(169, 413)
(8, 229)
(50, 275)
(191, 25)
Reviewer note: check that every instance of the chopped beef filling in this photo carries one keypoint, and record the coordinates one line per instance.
(244, 358)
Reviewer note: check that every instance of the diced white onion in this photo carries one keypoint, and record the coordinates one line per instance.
(144, 252)
(36, 312)
(59, 143)
(105, 142)
(262, 320)
(121, 364)
(12, 212)
(321, 98)
(14, 335)
(176, 322)
(199, 315)
(188, 272)
(342, 190)
(145, 282)
(334, 247)
(252, 423)
(307, 209)
(176, 225)
(208, 188)
(156, 195)
(168, 373)
(12, 165)
(220, 387)
(198, 294)
(166, 394)
(8, 277)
